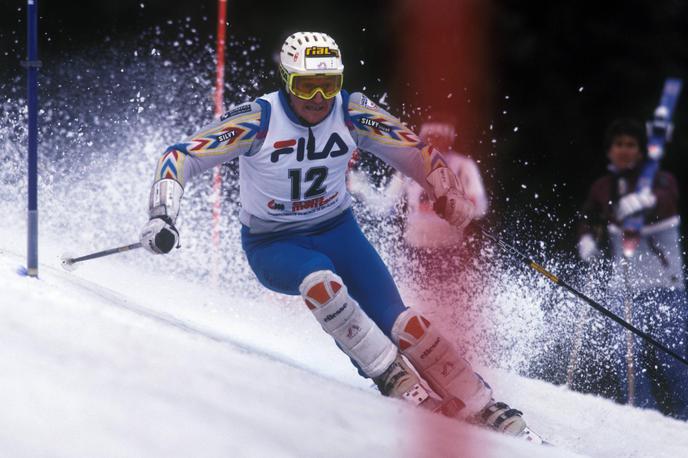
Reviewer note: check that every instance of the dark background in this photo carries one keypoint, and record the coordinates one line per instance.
(558, 72)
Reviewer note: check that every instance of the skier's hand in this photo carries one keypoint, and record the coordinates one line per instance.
(635, 202)
(159, 235)
(455, 208)
(587, 248)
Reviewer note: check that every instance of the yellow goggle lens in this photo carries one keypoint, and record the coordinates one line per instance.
(306, 86)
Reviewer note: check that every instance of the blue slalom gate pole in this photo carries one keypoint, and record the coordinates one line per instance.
(32, 63)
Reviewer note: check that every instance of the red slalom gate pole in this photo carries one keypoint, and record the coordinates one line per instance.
(218, 97)
(220, 68)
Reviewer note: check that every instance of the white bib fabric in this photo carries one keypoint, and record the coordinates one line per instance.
(297, 175)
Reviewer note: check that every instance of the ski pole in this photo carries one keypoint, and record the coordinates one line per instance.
(577, 345)
(596, 305)
(68, 263)
(630, 351)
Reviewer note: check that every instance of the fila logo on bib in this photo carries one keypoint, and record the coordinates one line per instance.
(305, 149)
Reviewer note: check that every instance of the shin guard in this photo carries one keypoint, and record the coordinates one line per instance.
(343, 319)
(439, 363)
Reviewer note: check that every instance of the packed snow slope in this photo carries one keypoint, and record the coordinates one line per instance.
(116, 360)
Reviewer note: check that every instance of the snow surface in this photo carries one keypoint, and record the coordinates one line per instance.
(116, 361)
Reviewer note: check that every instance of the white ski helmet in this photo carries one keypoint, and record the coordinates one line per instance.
(311, 62)
(310, 53)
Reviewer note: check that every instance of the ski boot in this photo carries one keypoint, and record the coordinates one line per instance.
(464, 394)
(401, 382)
(506, 420)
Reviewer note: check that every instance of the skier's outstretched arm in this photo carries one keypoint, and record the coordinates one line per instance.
(239, 131)
(385, 136)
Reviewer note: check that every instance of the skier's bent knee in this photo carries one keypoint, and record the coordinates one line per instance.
(342, 318)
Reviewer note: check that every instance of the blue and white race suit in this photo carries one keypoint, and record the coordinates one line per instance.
(295, 208)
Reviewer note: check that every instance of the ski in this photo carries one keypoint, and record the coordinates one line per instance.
(659, 131)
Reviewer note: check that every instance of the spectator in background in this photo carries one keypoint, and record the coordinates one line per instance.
(650, 278)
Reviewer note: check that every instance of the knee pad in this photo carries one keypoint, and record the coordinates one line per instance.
(342, 318)
(439, 363)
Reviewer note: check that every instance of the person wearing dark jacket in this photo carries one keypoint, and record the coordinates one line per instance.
(646, 268)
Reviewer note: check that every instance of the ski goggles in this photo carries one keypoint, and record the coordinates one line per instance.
(306, 86)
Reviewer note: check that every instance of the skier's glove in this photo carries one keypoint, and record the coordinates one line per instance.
(451, 203)
(635, 202)
(587, 248)
(159, 235)
(455, 208)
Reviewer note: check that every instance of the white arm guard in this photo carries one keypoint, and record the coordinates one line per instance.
(165, 197)
(450, 201)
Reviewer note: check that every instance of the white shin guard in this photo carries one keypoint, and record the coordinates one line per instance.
(439, 363)
(343, 319)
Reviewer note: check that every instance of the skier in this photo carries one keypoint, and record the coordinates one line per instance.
(300, 236)
(650, 277)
